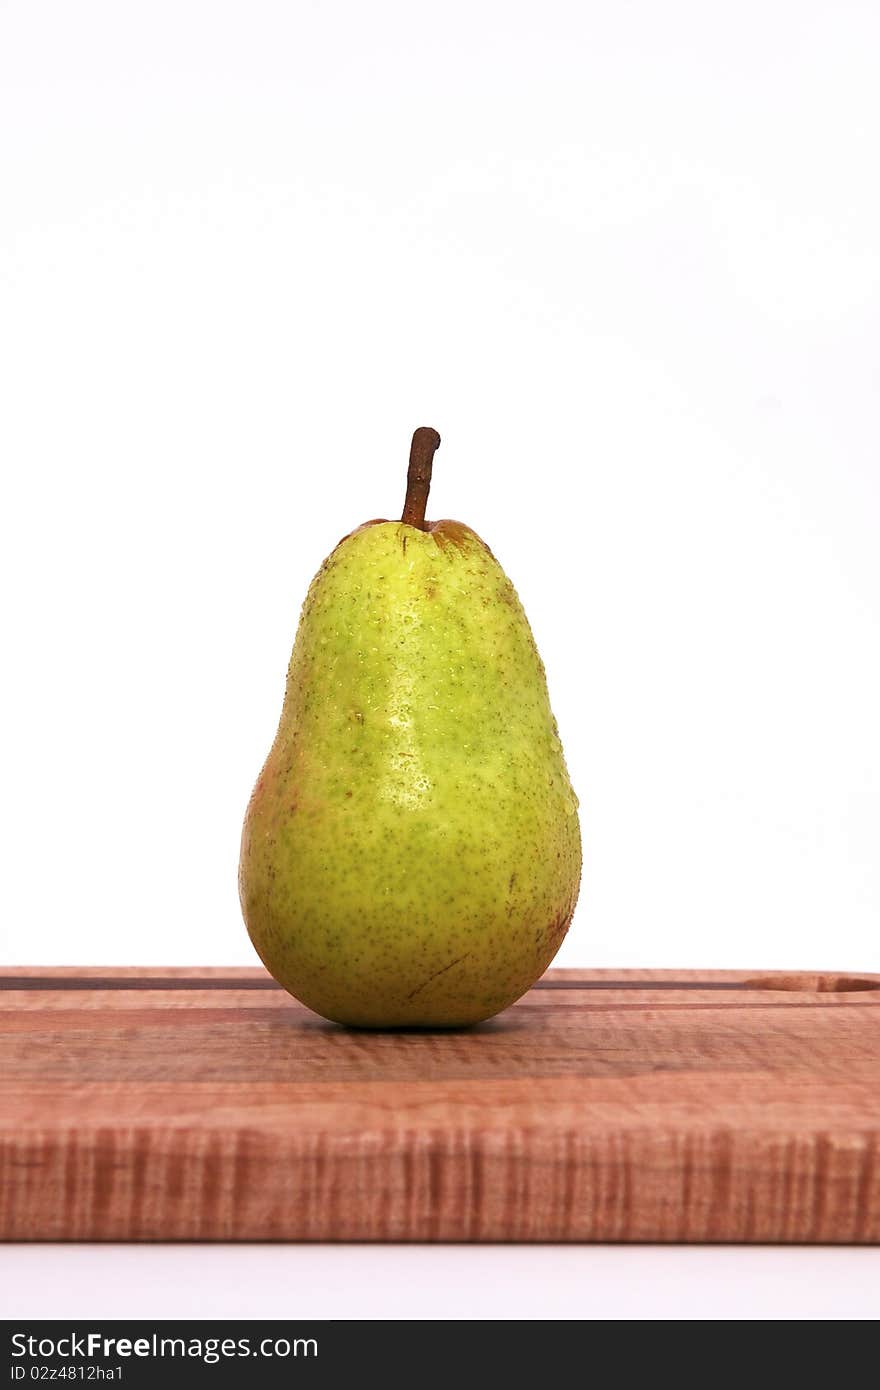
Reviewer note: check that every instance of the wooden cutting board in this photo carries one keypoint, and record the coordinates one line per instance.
(604, 1106)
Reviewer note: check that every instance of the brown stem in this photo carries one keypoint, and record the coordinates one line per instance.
(425, 443)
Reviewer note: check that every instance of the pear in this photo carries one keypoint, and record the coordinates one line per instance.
(411, 852)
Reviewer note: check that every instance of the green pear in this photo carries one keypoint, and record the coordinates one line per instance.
(411, 852)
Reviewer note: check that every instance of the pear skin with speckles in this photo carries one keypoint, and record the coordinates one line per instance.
(411, 852)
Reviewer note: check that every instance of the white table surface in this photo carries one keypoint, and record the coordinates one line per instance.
(439, 1282)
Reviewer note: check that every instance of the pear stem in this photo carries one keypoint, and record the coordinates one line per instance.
(425, 443)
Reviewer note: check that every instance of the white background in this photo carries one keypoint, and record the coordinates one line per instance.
(626, 258)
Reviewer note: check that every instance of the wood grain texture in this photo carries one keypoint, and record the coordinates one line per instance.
(604, 1106)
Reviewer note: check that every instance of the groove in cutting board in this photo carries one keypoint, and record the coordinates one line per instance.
(81, 982)
(826, 983)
